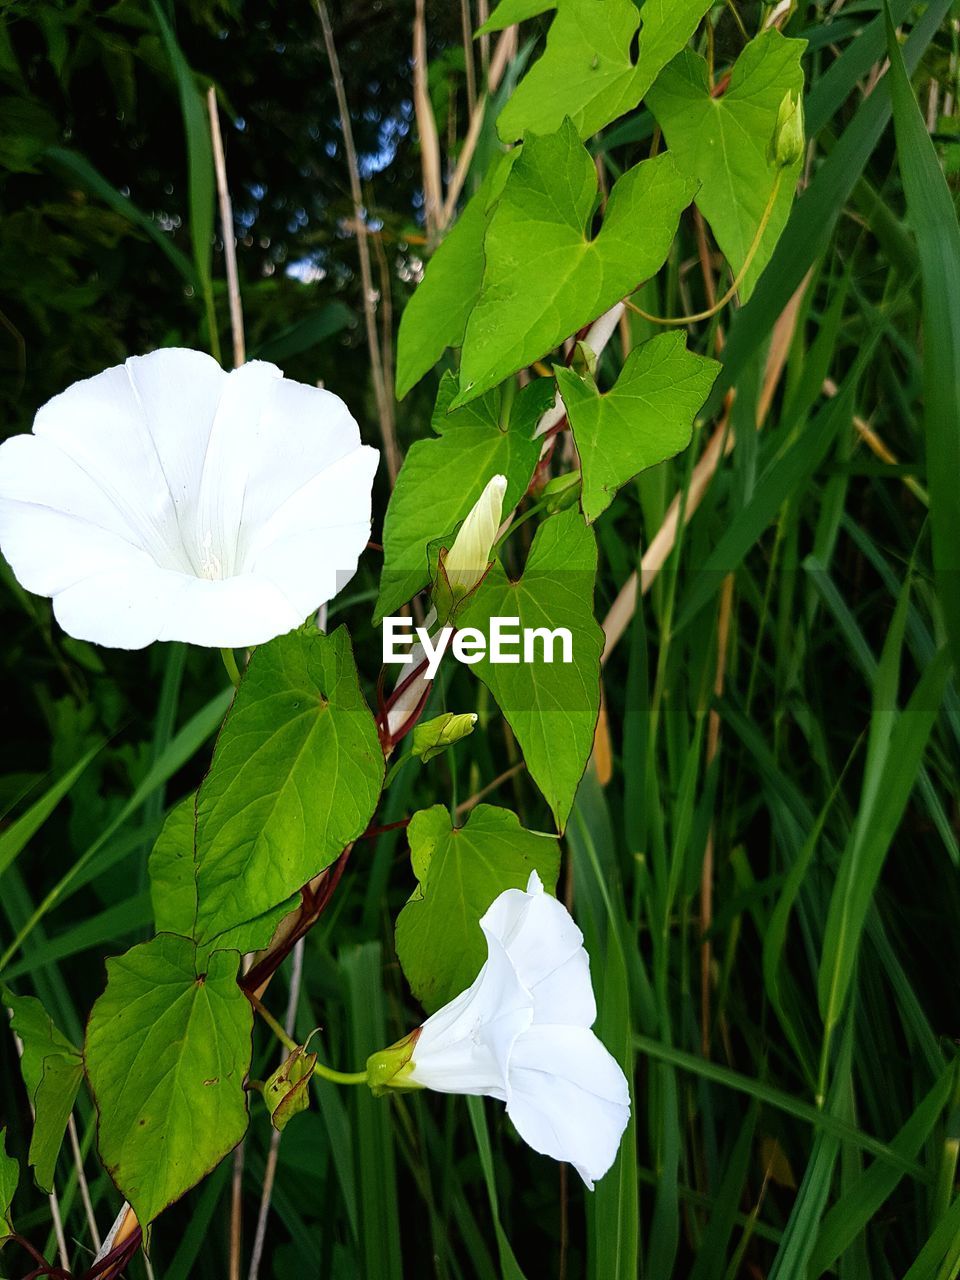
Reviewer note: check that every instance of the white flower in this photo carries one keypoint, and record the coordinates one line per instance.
(166, 499)
(521, 1033)
(467, 560)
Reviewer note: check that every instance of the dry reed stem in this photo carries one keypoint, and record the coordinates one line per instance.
(466, 26)
(426, 128)
(505, 50)
(472, 801)
(384, 394)
(82, 1181)
(227, 228)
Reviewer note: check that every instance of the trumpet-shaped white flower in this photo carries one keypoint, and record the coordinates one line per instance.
(466, 561)
(166, 499)
(521, 1033)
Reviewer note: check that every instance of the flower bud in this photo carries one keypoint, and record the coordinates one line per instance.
(434, 736)
(286, 1093)
(787, 143)
(391, 1068)
(561, 492)
(467, 560)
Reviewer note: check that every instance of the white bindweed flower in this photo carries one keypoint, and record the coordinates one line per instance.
(467, 560)
(521, 1033)
(166, 499)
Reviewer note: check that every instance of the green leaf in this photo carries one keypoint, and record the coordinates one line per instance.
(509, 12)
(295, 777)
(509, 1267)
(19, 834)
(812, 222)
(721, 140)
(305, 333)
(52, 1070)
(544, 277)
(646, 417)
(551, 706)
(27, 129)
(167, 1050)
(460, 871)
(587, 71)
(889, 779)
(862, 1202)
(436, 316)
(442, 478)
(78, 168)
(173, 884)
(9, 1180)
(933, 218)
(200, 176)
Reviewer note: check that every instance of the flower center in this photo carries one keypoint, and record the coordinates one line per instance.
(210, 563)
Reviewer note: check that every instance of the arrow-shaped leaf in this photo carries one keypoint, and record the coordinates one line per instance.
(645, 417)
(545, 277)
(550, 704)
(721, 141)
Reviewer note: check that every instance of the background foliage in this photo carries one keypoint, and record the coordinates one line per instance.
(756, 801)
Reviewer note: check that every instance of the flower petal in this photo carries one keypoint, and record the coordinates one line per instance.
(129, 608)
(57, 525)
(179, 392)
(230, 479)
(465, 1047)
(546, 948)
(104, 425)
(309, 547)
(569, 1098)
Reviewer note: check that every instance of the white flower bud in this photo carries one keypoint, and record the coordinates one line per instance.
(467, 560)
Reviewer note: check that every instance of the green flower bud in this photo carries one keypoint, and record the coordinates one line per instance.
(434, 736)
(787, 143)
(286, 1093)
(561, 492)
(391, 1068)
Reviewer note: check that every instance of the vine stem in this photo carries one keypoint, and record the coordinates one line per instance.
(230, 662)
(738, 281)
(320, 1069)
(273, 1155)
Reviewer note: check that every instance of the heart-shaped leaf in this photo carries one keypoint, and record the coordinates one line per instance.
(167, 1050)
(295, 777)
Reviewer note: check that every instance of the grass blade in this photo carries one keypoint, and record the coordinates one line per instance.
(933, 218)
